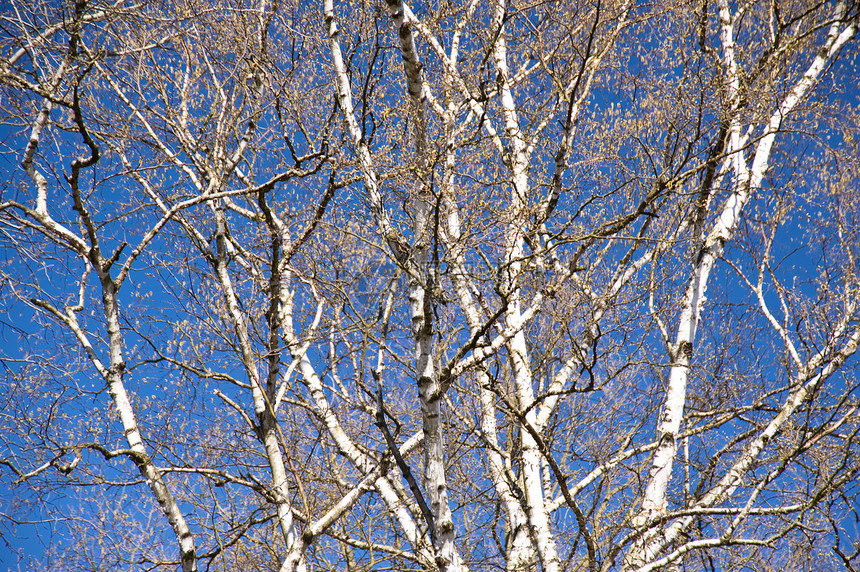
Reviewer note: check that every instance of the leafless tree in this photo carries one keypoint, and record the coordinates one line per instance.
(491, 285)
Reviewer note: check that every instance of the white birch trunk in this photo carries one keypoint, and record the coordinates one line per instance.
(115, 372)
(521, 554)
(807, 382)
(263, 406)
(435, 482)
(421, 303)
(116, 388)
(747, 179)
(517, 159)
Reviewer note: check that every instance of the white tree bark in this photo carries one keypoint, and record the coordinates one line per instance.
(517, 222)
(89, 250)
(747, 178)
(504, 188)
(421, 303)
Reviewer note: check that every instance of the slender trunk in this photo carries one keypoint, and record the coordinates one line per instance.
(747, 179)
(147, 468)
(517, 160)
(262, 403)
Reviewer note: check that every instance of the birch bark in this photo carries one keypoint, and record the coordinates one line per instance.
(88, 248)
(421, 288)
(520, 188)
(415, 259)
(517, 159)
(747, 179)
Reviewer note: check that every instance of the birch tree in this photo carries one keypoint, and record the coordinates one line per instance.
(456, 286)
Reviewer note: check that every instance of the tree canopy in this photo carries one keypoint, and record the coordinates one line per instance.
(479, 285)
